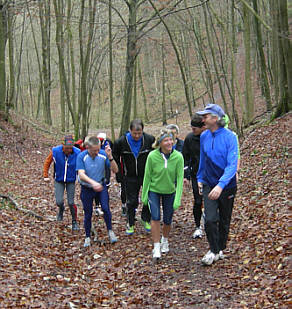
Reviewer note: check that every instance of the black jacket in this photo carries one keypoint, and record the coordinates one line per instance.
(191, 154)
(132, 167)
(179, 145)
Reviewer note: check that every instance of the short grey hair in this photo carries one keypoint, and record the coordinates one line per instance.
(173, 127)
(220, 121)
(93, 141)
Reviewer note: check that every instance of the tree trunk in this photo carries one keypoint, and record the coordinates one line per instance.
(3, 40)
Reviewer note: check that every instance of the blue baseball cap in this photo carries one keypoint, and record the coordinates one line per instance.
(212, 109)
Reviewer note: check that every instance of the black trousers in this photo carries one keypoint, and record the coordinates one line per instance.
(133, 186)
(198, 200)
(217, 217)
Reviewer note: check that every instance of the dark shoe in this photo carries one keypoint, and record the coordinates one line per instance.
(75, 226)
(60, 214)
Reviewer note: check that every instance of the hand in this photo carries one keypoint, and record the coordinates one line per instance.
(175, 207)
(108, 151)
(200, 186)
(46, 179)
(215, 193)
(97, 187)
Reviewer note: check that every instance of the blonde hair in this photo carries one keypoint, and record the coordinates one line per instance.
(163, 134)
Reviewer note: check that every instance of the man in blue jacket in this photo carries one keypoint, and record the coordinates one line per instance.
(64, 157)
(217, 179)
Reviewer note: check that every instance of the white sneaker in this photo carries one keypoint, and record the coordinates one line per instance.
(112, 237)
(98, 211)
(198, 233)
(164, 246)
(209, 258)
(156, 252)
(87, 242)
(221, 255)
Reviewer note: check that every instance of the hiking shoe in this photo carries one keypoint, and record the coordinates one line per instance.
(124, 211)
(221, 255)
(156, 253)
(112, 237)
(198, 233)
(146, 225)
(98, 211)
(86, 242)
(130, 230)
(75, 226)
(210, 257)
(164, 246)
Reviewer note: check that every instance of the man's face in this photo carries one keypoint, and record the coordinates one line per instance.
(174, 133)
(93, 150)
(67, 149)
(197, 131)
(136, 133)
(210, 121)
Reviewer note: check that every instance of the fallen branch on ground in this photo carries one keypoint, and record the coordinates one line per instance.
(26, 211)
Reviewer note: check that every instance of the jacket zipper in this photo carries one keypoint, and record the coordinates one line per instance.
(66, 165)
(213, 138)
(136, 159)
(165, 160)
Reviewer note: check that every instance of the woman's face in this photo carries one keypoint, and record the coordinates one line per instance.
(166, 144)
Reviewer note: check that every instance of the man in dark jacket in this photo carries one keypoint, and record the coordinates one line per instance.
(191, 154)
(132, 150)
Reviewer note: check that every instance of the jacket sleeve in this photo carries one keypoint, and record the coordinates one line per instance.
(231, 167)
(201, 169)
(47, 164)
(187, 159)
(179, 183)
(146, 180)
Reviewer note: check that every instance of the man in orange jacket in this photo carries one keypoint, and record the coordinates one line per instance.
(64, 157)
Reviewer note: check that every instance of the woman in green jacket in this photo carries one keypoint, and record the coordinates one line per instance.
(163, 182)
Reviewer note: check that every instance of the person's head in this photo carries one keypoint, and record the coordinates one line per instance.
(85, 142)
(102, 137)
(213, 116)
(68, 144)
(93, 146)
(174, 130)
(136, 129)
(197, 124)
(165, 141)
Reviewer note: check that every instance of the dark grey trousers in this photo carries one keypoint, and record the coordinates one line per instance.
(217, 217)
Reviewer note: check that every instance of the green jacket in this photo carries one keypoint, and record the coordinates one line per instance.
(164, 176)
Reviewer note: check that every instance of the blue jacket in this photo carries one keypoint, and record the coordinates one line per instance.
(218, 158)
(65, 166)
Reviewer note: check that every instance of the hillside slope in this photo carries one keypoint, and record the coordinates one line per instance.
(43, 265)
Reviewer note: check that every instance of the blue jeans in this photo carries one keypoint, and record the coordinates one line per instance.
(87, 196)
(167, 206)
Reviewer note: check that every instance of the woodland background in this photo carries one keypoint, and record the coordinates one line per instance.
(86, 66)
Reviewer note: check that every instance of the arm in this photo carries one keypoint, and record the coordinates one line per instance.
(113, 164)
(232, 161)
(47, 164)
(179, 183)
(96, 186)
(187, 158)
(116, 153)
(146, 181)
(229, 171)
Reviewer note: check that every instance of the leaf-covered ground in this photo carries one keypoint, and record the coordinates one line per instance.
(44, 265)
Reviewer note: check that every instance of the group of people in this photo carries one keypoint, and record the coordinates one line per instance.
(207, 158)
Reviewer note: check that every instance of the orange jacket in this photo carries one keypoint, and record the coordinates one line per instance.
(47, 164)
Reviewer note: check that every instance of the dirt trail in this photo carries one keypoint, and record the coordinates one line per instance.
(43, 265)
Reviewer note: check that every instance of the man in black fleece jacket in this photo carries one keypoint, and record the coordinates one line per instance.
(191, 154)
